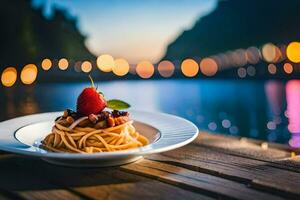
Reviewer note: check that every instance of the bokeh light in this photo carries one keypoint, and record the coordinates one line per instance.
(86, 66)
(9, 76)
(29, 74)
(239, 57)
(223, 61)
(46, 64)
(145, 69)
(242, 72)
(212, 126)
(271, 52)
(233, 130)
(166, 68)
(253, 55)
(288, 68)
(105, 62)
(251, 71)
(230, 57)
(121, 67)
(293, 52)
(282, 49)
(226, 123)
(189, 67)
(217, 59)
(63, 64)
(271, 125)
(77, 66)
(272, 69)
(208, 66)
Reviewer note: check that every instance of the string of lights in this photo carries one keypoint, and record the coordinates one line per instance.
(189, 67)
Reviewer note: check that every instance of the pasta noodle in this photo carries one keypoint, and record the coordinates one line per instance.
(91, 140)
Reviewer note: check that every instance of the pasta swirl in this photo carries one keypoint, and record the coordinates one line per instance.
(91, 140)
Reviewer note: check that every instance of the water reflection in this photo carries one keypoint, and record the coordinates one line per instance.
(16, 103)
(275, 97)
(8, 104)
(253, 109)
(293, 111)
(28, 106)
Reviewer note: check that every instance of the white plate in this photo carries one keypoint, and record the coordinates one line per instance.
(22, 135)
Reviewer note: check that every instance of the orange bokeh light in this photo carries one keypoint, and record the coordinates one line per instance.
(145, 69)
(105, 62)
(189, 67)
(288, 68)
(208, 66)
(63, 64)
(166, 68)
(121, 67)
(271, 52)
(293, 52)
(9, 76)
(86, 66)
(29, 74)
(46, 64)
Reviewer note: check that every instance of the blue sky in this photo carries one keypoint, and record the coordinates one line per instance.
(132, 29)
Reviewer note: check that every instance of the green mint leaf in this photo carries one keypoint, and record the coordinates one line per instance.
(116, 104)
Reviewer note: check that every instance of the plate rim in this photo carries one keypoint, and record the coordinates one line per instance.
(104, 155)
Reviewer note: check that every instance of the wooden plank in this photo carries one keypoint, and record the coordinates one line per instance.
(195, 181)
(276, 154)
(20, 182)
(43, 180)
(15, 177)
(255, 173)
(293, 163)
(219, 157)
(148, 189)
(116, 184)
(272, 145)
(48, 195)
(241, 147)
(103, 182)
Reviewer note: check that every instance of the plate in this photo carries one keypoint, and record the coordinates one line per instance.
(165, 132)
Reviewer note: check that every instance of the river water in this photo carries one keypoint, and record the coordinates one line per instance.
(256, 109)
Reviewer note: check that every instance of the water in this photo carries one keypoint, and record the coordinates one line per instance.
(255, 109)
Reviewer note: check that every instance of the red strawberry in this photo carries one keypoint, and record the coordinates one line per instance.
(90, 102)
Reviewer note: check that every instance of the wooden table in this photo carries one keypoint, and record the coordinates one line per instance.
(213, 166)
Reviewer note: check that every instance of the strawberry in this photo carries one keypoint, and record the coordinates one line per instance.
(90, 102)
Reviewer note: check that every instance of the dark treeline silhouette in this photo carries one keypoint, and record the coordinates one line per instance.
(26, 36)
(238, 24)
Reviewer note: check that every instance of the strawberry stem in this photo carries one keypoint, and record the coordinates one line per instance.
(92, 81)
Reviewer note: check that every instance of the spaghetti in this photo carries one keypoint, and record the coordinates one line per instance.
(77, 139)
